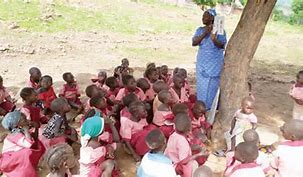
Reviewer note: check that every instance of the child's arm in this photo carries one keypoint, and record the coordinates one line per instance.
(193, 157)
(132, 151)
(233, 123)
(115, 133)
(254, 126)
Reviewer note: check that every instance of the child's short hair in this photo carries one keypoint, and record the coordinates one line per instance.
(89, 89)
(182, 71)
(110, 81)
(155, 139)
(57, 155)
(150, 65)
(176, 70)
(65, 75)
(34, 70)
(149, 71)
(182, 122)
(247, 99)
(135, 106)
(180, 108)
(143, 84)
(126, 78)
(94, 101)
(128, 99)
(48, 78)
(57, 104)
(294, 128)
(247, 151)
(163, 95)
(1, 79)
(199, 103)
(102, 72)
(160, 85)
(164, 67)
(26, 92)
(251, 136)
(299, 73)
(203, 171)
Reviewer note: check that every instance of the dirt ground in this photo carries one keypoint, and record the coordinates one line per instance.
(85, 53)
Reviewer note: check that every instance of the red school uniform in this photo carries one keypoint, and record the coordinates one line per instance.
(71, 93)
(164, 119)
(47, 97)
(199, 123)
(183, 98)
(4, 103)
(33, 113)
(32, 84)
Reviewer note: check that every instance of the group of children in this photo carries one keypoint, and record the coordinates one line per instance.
(156, 119)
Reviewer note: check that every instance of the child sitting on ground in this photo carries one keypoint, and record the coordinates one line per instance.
(288, 156)
(144, 85)
(111, 94)
(71, 92)
(183, 73)
(155, 158)
(164, 75)
(132, 127)
(157, 87)
(61, 161)
(46, 93)
(34, 79)
(125, 66)
(91, 91)
(130, 86)
(200, 126)
(92, 154)
(57, 129)
(203, 171)
(100, 79)
(296, 94)
(163, 117)
(127, 100)
(33, 113)
(244, 119)
(21, 152)
(151, 76)
(250, 136)
(178, 148)
(246, 153)
(6, 101)
(178, 90)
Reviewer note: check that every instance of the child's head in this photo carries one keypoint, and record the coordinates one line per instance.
(199, 109)
(128, 99)
(92, 91)
(143, 84)
(68, 77)
(176, 70)
(164, 69)
(203, 171)
(182, 123)
(112, 83)
(180, 108)
(293, 130)
(160, 85)
(156, 141)
(300, 77)
(1, 82)
(102, 75)
(150, 65)
(59, 157)
(35, 74)
(60, 106)
(98, 102)
(152, 74)
(124, 62)
(251, 136)
(29, 95)
(129, 82)
(138, 109)
(182, 72)
(46, 81)
(13, 120)
(246, 152)
(165, 97)
(247, 105)
(178, 81)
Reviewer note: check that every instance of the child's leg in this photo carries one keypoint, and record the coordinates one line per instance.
(107, 168)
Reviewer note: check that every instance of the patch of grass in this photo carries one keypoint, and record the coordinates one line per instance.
(115, 18)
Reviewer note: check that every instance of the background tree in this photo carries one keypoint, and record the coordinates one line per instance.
(239, 53)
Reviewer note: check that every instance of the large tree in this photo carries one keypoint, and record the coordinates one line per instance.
(239, 53)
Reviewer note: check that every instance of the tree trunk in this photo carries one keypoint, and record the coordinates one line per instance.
(239, 53)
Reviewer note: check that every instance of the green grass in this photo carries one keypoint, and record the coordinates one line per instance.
(114, 18)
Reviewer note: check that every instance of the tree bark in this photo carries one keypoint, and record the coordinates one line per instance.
(239, 53)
